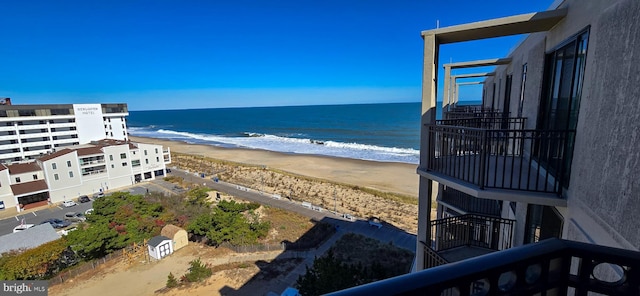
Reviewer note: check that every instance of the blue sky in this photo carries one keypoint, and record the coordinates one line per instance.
(202, 54)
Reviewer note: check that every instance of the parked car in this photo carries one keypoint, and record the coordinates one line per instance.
(22, 227)
(68, 203)
(75, 217)
(84, 199)
(98, 195)
(89, 211)
(57, 223)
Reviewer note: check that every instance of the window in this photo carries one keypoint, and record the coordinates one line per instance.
(123, 156)
(55, 177)
(35, 176)
(523, 82)
(562, 89)
(111, 157)
(17, 179)
(156, 150)
(68, 163)
(145, 152)
(54, 166)
(507, 99)
(493, 96)
(124, 164)
(70, 174)
(157, 159)
(146, 161)
(112, 166)
(135, 163)
(543, 222)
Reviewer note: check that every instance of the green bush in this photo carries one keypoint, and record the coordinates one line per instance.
(228, 223)
(198, 271)
(172, 282)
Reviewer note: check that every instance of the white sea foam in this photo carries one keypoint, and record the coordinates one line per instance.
(288, 145)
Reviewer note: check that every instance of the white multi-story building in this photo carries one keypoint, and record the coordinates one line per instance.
(30, 131)
(52, 153)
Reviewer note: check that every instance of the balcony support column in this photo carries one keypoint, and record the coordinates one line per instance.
(447, 89)
(455, 94)
(425, 194)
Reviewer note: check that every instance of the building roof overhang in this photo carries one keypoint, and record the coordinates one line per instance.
(473, 75)
(478, 63)
(499, 27)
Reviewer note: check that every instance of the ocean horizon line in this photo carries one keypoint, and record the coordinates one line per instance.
(280, 106)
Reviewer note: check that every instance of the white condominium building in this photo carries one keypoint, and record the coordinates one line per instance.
(83, 169)
(30, 131)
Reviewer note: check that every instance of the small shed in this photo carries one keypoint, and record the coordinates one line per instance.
(160, 247)
(178, 235)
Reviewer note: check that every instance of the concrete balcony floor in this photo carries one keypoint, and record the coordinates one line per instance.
(506, 178)
(463, 252)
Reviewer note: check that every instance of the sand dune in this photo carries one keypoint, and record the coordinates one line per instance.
(284, 176)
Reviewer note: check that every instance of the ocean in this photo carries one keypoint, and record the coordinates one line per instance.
(378, 132)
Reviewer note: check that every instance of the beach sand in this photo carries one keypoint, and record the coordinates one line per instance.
(391, 177)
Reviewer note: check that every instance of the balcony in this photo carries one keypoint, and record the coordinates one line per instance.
(509, 123)
(471, 111)
(94, 162)
(550, 267)
(93, 173)
(484, 157)
(466, 236)
(467, 204)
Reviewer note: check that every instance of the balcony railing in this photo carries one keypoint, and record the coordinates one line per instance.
(551, 267)
(472, 230)
(530, 160)
(431, 257)
(91, 162)
(457, 112)
(510, 123)
(91, 173)
(470, 204)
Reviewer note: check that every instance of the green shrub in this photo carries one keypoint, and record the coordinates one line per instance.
(172, 282)
(198, 271)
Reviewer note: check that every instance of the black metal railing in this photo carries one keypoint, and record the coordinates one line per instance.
(550, 267)
(470, 204)
(431, 257)
(530, 160)
(472, 230)
(472, 111)
(510, 123)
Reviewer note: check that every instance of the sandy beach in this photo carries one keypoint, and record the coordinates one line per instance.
(398, 178)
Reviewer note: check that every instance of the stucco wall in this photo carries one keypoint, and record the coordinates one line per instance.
(606, 165)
